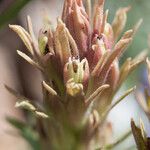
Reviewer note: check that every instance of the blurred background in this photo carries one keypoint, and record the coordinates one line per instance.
(16, 73)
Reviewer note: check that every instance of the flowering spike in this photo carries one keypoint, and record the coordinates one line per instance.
(79, 60)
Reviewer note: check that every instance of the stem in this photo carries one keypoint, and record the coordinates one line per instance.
(120, 140)
(116, 103)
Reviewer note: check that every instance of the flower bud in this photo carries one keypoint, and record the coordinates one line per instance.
(73, 88)
(102, 40)
(46, 41)
(76, 70)
(107, 32)
(42, 40)
(98, 49)
(77, 21)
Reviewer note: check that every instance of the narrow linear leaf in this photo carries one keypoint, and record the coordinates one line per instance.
(30, 27)
(117, 102)
(29, 60)
(13, 92)
(96, 93)
(41, 114)
(49, 89)
(26, 105)
(24, 35)
(117, 142)
(137, 26)
(27, 132)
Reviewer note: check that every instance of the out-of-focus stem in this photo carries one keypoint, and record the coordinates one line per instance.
(117, 142)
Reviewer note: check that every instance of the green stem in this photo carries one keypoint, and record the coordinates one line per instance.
(104, 116)
(120, 140)
(12, 11)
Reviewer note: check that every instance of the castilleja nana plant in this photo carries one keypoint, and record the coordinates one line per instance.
(79, 61)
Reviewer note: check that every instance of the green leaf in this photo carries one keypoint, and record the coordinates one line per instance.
(27, 132)
(12, 11)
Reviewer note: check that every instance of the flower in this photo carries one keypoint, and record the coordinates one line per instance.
(79, 61)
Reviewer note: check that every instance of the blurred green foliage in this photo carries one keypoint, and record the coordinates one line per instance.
(12, 10)
(26, 132)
